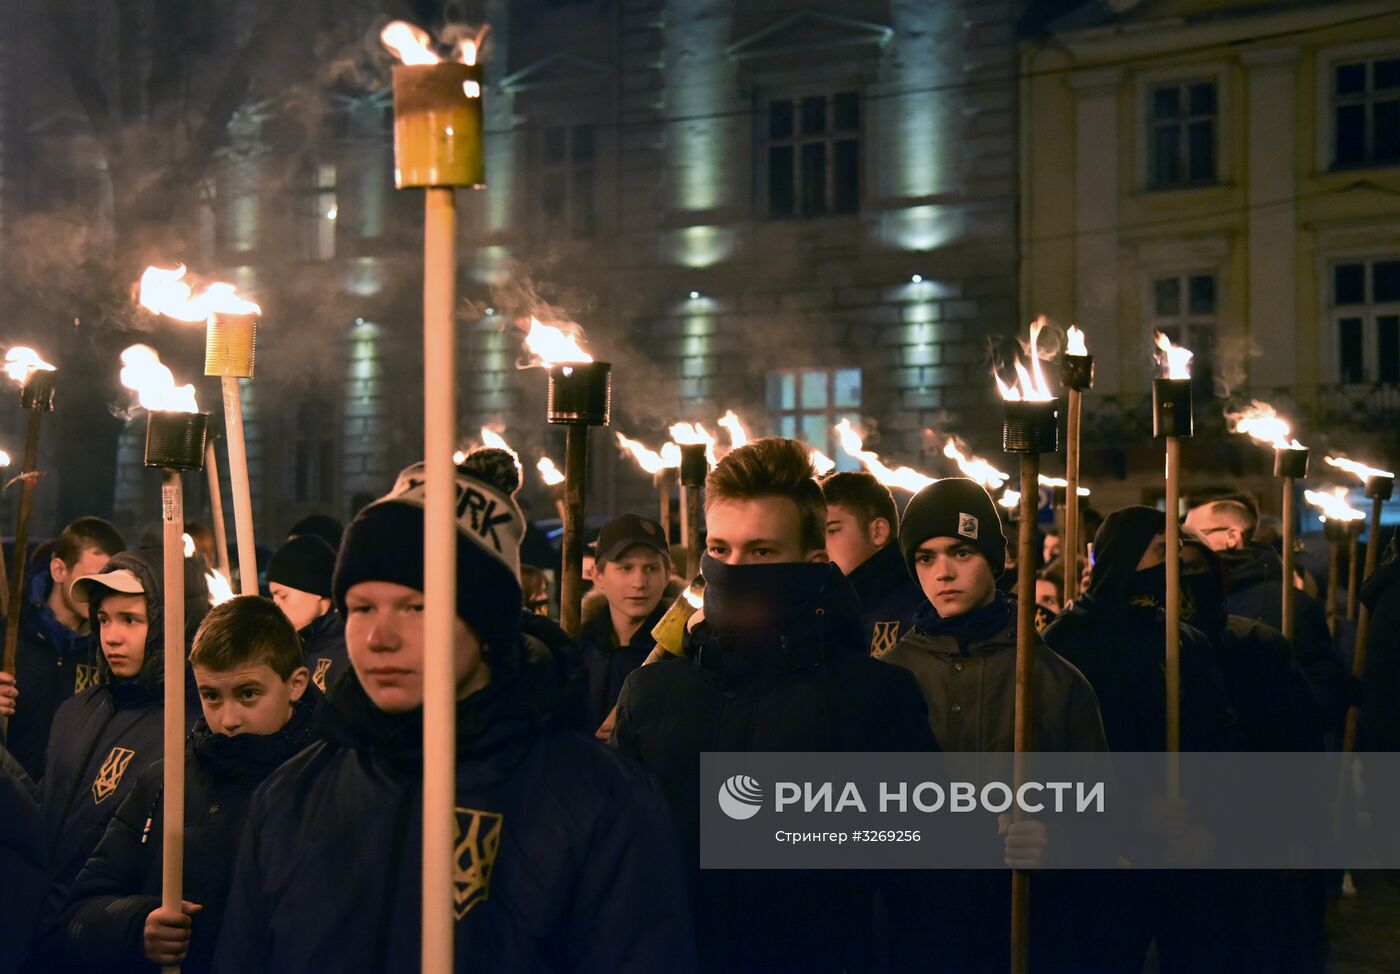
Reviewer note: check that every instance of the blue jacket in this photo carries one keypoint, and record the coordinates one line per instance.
(566, 858)
(324, 644)
(52, 662)
(22, 865)
(889, 597)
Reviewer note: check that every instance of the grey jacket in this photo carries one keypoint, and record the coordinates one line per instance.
(970, 693)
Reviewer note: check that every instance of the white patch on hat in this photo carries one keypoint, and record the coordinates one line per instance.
(967, 526)
(487, 516)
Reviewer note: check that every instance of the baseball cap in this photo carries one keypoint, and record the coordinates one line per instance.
(627, 531)
(121, 580)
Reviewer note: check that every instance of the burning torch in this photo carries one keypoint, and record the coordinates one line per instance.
(1172, 421)
(1077, 375)
(229, 344)
(1264, 425)
(697, 449)
(437, 147)
(37, 384)
(1030, 427)
(1341, 524)
(580, 396)
(663, 467)
(176, 432)
(853, 445)
(1380, 484)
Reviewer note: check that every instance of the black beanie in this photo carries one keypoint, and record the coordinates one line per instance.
(385, 544)
(953, 508)
(306, 563)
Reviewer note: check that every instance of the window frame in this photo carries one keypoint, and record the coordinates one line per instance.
(1216, 72)
(566, 173)
(832, 413)
(1368, 310)
(765, 142)
(1325, 117)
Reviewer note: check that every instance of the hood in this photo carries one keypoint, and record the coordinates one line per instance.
(882, 573)
(250, 758)
(1252, 565)
(148, 566)
(1203, 594)
(493, 723)
(1118, 547)
(776, 617)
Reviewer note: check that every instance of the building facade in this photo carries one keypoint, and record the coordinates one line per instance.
(1227, 173)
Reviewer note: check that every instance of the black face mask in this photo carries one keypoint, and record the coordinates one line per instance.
(1147, 589)
(1202, 602)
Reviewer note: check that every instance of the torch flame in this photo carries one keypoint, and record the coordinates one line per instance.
(1010, 500)
(904, 478)
(688, 433)
(189, 545)
(975, 467)
(696, 599)
(21, 361)
(1263, 424)
(550, 473)
(1334, 506)
(647, 458)
(1360, 470)
(410, 44)
(1062, 482)
(738, 436)
(220, 591)
(821, 463)
(1076, 344)
(1174, 359)
(491, 438)
(458, 458)
(552, 345)
(1030, 383)
(166, 292)
(4, 459)
(153, 383)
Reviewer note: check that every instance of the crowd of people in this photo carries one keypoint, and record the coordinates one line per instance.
(831, 621)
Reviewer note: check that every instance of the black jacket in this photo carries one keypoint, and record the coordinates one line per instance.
(23, 872)
(52, 662)
(889, 597)
(605, 662)
(1256, 592)
(324, 645)
(801, 679)
(102, 740)
(566, 858)
(120, 885)
(1379, 728)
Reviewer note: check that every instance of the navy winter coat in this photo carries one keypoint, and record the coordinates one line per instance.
(324, 644)
(22, 864)
(566, 861)
(889, 597)
(120, 885)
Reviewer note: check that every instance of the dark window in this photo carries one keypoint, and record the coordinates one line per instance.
(1385, 280)
(813, 155)
(1366, 113)
(1353, 356)
(1349, 281)
(567, 183)
(1183, 308)
(1388, 357)
(1182, 134)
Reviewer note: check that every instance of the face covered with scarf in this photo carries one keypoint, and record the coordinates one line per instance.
(1130, 567)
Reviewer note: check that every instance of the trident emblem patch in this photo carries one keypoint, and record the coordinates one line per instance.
(84, 677)
(319, 677)
(110, 774)
(477, 840)
(886, 634)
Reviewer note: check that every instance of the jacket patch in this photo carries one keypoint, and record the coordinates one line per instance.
(84, 677)
(478, 839)
(109, 776)
(319, 677)
(885, 635)
(967, 526)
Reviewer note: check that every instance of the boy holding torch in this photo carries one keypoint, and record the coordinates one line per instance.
(257, 713)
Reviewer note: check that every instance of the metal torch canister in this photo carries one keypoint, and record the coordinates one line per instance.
(580, 394)
(438, 137)
(1289, 462)
(1336, 532)
(37, 390)
(1077, 372)
(1171, 408)
(229, 344)
(1380, 488)
(175, 441)
(1031, 427)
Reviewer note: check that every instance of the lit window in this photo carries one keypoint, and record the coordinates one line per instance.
(804, 404)
(1182, 121)
(1366, 113)
(813, 155)
(1366, 320)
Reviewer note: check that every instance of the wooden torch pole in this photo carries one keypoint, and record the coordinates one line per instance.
(1334, 568)
(1173, 641)
(575, 484)
(1071, 539)
(1363, 621)
(173, 810)
(26, 505)
(216, 508)
(1290, 557)
(1353, 569)
(440, 577)
(242, 490)
(1025, 673)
